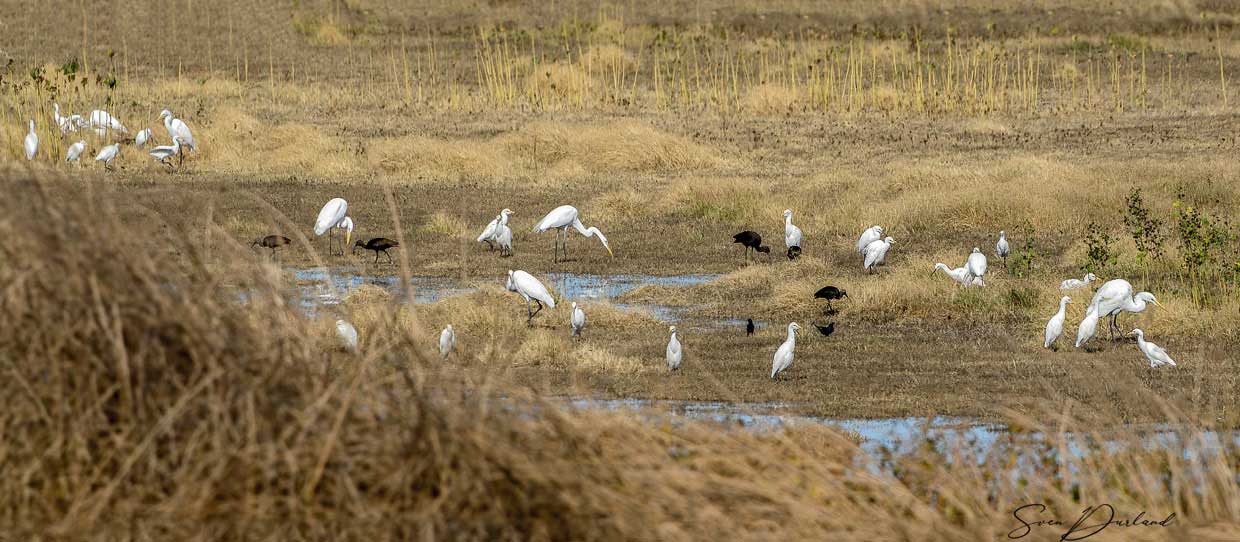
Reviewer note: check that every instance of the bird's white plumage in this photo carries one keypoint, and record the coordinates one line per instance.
(1002, 249)
(330, 215)
(783, 356)
(529, 287)
(1054, 327)
(1111, 296)
(348, 335)
(871, 234)
(977, 265)
(491, 232)
(31, 145)
(103, 122)
(75, 151)
(1073, 284)
(566, 215)
(143, 136)
(503, 238)
(108, 154)
(876, 253)
(578, 319)
(959, 274)
(792, 234)
(1087, 328)
(674, 351)
(163, 152)
(1154, 353)
(447, 341)
(177, 128)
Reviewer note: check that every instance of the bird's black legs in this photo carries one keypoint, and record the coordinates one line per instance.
(536, 311)
(530, 318)
(390, 260)
(490, 246)
(377, 256)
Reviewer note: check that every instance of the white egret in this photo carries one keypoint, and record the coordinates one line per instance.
(876, 253)
(142, 137)
(792, 234)
(578, 320)
(1087, 328)
(1054, 327)
(346, 224)
(348, 335)
(1157, 356)
(490, 233)
(1115, 296)
(75, 151)
(977, 265)
(329, 217)
(531, 289)
(871, 234)
(103, 122)
(447, 341)
(674, 352)
(59, 120)
(108, 154)
(1001, 247)
(560, 219)
(959, 274)
(1075, 284)
(162, 153)
(504, 239)
(66, 124)
(783, 356)
(177, 128)
(31, 145)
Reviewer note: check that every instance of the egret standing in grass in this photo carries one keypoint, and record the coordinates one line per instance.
(792, 236)
(783, 356)
(504, 240)
(108, 154)
(560, 219)
(976, 266)
(64, 123)
(329, 217)
(177, 128)
(75, 151)
(31, 145)
(876, 253)
(346, 224)
(871, 234)
(143, 136)
(1075, 284)
(674, 352)
(348, 335)
(164, 152)
(1001, 247)
(577, 320)
(959, 274)
(490, 234)
(103, 122)
(1087, 328)
(1054, 327)
(447, 341)
(531, 289)
(1157, 356)
(1115, 296)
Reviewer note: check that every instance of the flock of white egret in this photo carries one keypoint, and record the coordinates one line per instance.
(103, 124)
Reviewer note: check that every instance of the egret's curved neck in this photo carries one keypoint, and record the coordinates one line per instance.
(792, 335)
(787, 220)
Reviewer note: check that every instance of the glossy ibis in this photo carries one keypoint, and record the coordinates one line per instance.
(272, 242)
(794, 253)
(749, 328)
(561, 218)
(826, 330)
(751, 240)
(830, 293)
(379, 245)
(792, 236)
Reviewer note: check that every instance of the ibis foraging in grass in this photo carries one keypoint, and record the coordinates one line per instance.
(447, 341)
(871, 234)
(578, 320)
(751, 240)
(1157, 356)
(272, 242)
(1076, 284)
(830, 293)
(31, 145)
(792, 236)
(378, 245)
(826, 330)
(561, 218)
(749, 327)
(330, 216)
(108, 154)
(674, 351)
(876, 254)
(75, 151)
(783, 356)
(530, 289)
(1054, 327)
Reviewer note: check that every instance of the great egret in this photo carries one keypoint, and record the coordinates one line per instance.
(792, 234)
(329, 217)
(491, 232)
(504, 239)
(1157, 356)
(378, 245)
(578, 320)
(1074, 284)
(749, 327)
(31, 145)
(75, 151)
(164, 152)
(177, 128)
(826, 330)
(103, 122)
(1115, 296)
(876, 253)
(976, 266)
(108, 154)
(751, 240)
(348, 335)
(1054, 327)
(561, 218)
(272, 242)
(871, 234)
(447, 341)
(830, 293)
(783, 356)
(674, 351)
(142, 137)
(1001, 247)
(531, 289)
(959, 274)
(346, 224)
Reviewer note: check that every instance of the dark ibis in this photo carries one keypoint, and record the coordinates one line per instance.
(749, 328)
(830, 293)
(272, 242)
(826, 330)
(794, 252)
(378, 244)
(751, 240)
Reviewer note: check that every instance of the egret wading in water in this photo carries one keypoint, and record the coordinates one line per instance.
(531, 289)
(108, 154)
(142, 137)
(792, 236)
(378, 245)
(31, 145)
(1075, 284)
(1054, 326)
(1157, 356)
(177, 128)
(751, 240)
(330, 216)
(447, 341)
(490, 234)
(674, 352)
(272, 242)
(783, 356)
(871, 234)
(577, 321)
(164, 152)
(876, 254)
(1001, 247)
(75, 151)
(560, 219)
(348, 335)
(976, 265)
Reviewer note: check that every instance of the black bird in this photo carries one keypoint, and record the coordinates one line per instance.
(794, 252)
(378, 244)
(751, 239)
(830, 293)
(826, 330)
(749, 328)
(272, 242)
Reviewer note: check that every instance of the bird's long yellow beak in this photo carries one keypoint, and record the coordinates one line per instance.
(610, 253)
(348, 238)
(1157, 304)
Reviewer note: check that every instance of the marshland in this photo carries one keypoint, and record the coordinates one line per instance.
(169, 380)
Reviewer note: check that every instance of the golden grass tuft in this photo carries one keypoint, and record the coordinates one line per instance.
(770, 98)
(423, 156)
(442, 223)
(565, 82)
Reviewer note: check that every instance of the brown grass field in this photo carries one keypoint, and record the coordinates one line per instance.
(146, 403)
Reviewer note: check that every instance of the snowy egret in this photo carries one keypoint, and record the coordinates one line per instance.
(348, 335)
(531, 289)
(577, 320)
(504, 239)
(792, 235)
(876, 253)
(142, 137)
(103, 123)
(447, 341)
(561, 218)
(976, 265)
(783, 356)
(871, 234)
(674, 352)
(272, 242)
(1001, 247)
(830, 293)
(1054, 327)
(1074, 284)
(751, 240)
(164, 152)
(329, 217)
(491, 232)
(31, 145)
(826, 330)
(108, 154)
(1157, 356)
(75, 151)
(378, 245)
(177, 128)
